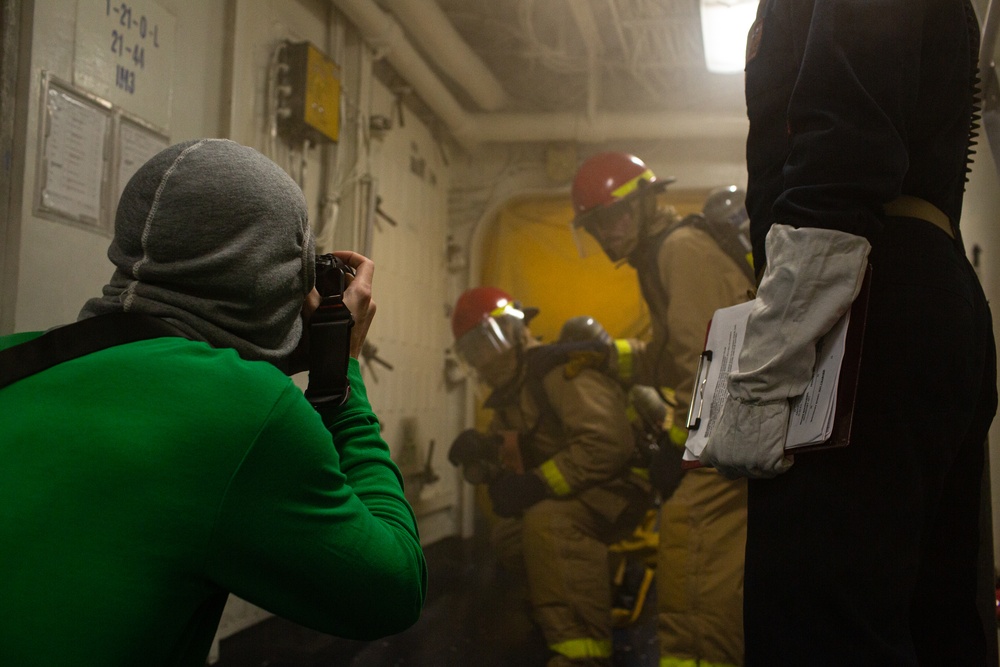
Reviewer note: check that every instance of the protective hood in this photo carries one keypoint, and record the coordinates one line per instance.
(213, 237)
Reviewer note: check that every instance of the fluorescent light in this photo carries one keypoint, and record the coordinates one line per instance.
(724, 28)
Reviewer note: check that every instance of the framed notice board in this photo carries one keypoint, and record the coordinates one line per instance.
(88, 149)
(73, 156)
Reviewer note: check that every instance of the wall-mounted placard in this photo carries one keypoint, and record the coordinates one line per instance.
(74, 147)
(124, 52)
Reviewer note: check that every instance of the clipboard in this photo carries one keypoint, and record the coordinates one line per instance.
(848, 376)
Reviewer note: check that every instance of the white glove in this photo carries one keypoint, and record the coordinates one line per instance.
(811, 279)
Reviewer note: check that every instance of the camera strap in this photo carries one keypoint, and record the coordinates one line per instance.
(329, 353)
(78, 339)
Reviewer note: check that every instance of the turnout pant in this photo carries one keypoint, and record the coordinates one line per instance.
(562, 548)
(699, 572)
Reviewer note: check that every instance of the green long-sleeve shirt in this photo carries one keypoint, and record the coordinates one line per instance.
(141, 484)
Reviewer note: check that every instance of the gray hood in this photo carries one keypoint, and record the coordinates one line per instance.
(213, 237)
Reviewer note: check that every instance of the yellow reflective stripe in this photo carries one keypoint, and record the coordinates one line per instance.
(556, 481)
(630, 186)
(678, 435)
(640, 472)
(678, 662)
(574, 649)
(632, 415)
(689, 662)
(625, 359)
(669, 395)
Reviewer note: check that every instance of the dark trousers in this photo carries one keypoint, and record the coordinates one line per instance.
(867, 555)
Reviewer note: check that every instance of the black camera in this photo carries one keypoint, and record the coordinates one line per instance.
(331, 276)
(330, 335)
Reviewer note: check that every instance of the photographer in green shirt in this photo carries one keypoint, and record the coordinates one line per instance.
(143, 483)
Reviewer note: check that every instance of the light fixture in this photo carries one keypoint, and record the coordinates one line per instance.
(724, 27)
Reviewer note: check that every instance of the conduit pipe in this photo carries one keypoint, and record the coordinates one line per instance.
(436, 35)
(509, 127)
(587, 25)
(383, 33)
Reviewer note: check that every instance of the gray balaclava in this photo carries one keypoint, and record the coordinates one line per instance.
(213, 237)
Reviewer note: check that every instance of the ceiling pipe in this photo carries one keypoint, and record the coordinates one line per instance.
(607, 126)
(383, 33)
(431, 29)
(583, 15)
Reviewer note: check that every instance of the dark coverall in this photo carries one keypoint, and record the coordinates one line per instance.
(860, 114)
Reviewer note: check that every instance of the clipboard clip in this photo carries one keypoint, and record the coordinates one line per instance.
(698, 396)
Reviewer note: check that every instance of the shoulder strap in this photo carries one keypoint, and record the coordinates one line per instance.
(647, 269)
(574, 356)
(729, 239)
(538, 362)
(79, 339)
(734, 243)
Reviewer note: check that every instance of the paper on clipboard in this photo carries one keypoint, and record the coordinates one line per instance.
(821, 417)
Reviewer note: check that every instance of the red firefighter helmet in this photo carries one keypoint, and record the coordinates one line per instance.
(606, 202)
(606, 178)
(475, 305)
(486, 323)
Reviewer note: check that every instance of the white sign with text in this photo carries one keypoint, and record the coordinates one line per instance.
(125, 54)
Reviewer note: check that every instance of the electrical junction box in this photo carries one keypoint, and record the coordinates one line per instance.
(313, 103)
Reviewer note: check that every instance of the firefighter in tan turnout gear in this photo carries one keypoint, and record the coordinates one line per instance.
(557, 459)
(687, 268)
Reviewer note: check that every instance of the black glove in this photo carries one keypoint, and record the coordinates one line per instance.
(513, 493)
(471, 445)
(665, 470)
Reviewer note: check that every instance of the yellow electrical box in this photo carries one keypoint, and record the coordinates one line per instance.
(313, 105)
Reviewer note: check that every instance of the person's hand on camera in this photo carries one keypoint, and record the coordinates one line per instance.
(358, 296)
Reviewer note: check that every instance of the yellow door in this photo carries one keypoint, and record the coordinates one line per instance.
(530, 253)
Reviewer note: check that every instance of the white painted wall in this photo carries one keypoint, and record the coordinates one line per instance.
(411, 329)
(981, 232)
(196, 73)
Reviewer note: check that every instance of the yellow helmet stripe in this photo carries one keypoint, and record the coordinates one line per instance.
(629, 186)
(506, 309)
